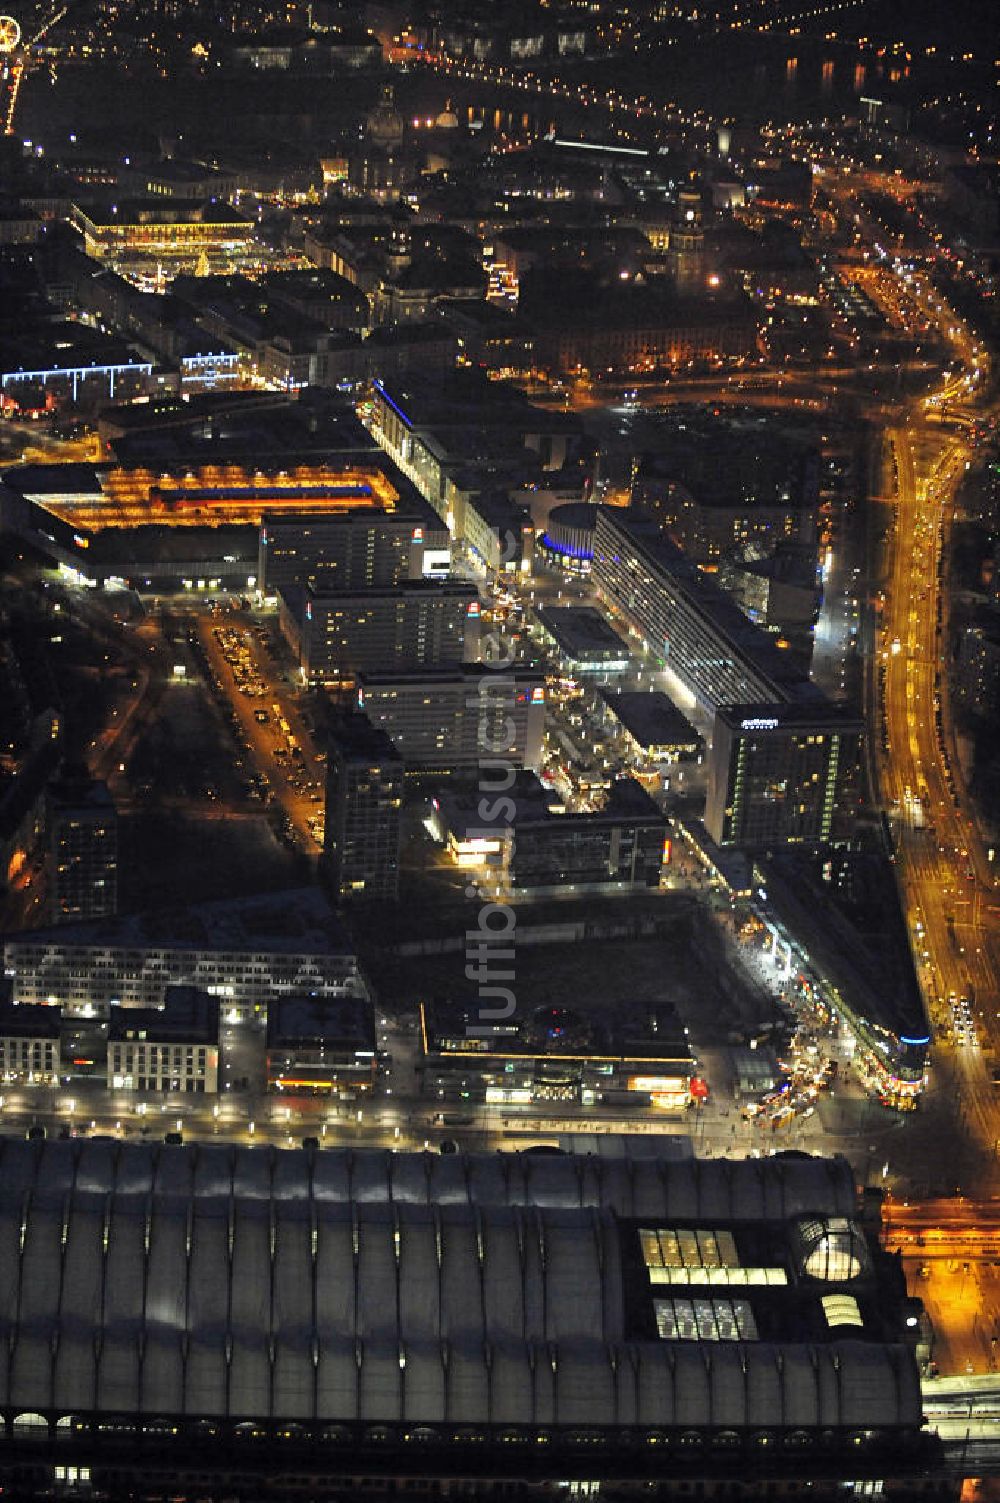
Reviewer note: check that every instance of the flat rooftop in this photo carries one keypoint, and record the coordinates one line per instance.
(355, 739)
(464, 400)
(627, 801)
(188, 1014)
(581, 633)
(799, 715)
(296, 921)
(311, 1022)
(29, 1020)
(641, 1030)
(651, 719)
(165, 211)
(449, 673)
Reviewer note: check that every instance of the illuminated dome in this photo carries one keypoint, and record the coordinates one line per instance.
(447, 120)
(832, 1250)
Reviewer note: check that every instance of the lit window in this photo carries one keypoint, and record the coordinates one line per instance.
(841, 1310)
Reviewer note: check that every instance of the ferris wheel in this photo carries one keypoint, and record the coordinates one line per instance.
(10, 34)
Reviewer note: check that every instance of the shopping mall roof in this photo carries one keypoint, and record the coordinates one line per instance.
(204, 491)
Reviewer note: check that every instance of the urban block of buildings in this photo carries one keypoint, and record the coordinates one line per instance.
(366, 548)
(206, 518)
(419, 623)
(475, 452)
(243, 951)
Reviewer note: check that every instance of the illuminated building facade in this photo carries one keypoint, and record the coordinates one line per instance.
(838, 915)
(557, 1054)
(602, 342)
(82, 875)
(779, 774)
(197, 525)
(173, 1048)
(244, 952)
(416, 624)
(579, 639)
(685, 621)
(29, 1044)
(650, 729)
(364, 549)
(161, 227)
(568, 540)
(448, 720)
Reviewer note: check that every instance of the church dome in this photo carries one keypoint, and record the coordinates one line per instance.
(385, 124)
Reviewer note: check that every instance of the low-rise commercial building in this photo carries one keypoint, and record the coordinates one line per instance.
(650, 727)
(579, 639)
(243, 951)
(174, 1047)
(631, 1052)
(29, 1044)
(321, 1046)
(837, 916)
(160, 227)
(448, 720)
(537, 851)
(416, 624)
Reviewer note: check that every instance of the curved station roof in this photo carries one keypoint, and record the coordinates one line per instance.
(327, 1291)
